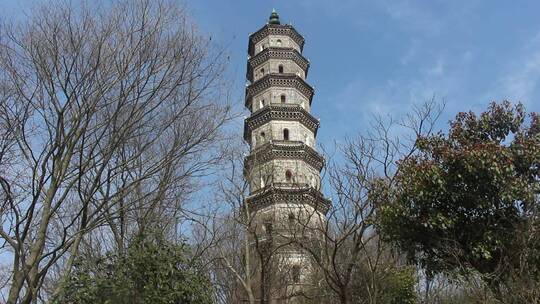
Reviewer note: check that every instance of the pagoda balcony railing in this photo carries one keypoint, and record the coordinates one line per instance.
(281, 104)
(282, 142)
(278, 105)
(290, 185)
(279, 142)
(281, 185)
(282, 235)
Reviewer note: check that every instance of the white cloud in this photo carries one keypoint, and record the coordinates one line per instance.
(438, 77)
(413, 16)
(522, 78)
(437, 69)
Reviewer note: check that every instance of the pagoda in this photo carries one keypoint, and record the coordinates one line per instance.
(283, 167)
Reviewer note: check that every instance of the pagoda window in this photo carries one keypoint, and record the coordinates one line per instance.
(288, 175)
(283, 98)
(296, 274)
(262, 72)
(285, 134)
(291, 219)
(268, 227)
(262, 103)
(278, 42)
(280, 69)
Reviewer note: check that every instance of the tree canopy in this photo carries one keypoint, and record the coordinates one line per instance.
(152, 270)
(463, 200)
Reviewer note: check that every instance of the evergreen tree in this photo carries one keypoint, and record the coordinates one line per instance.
(153, 270)
(467, 203)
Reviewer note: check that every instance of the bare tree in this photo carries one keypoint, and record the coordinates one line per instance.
(348, 250)
(106, 114)
(237, 257)
(226, 235)
(340, 246)
(242, 256)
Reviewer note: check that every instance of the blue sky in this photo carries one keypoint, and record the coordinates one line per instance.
(380, 57)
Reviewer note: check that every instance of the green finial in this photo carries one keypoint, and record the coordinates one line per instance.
(274, 18)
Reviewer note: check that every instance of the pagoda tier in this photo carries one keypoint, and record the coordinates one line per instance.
(284, 149)
(282, 112)
(278, 81)
(274, 30)
(278, 54)
(288, 193)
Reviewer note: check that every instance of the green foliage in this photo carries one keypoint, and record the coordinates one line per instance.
(458, 204)
(152, 271)
(388, 284)
(399, 286)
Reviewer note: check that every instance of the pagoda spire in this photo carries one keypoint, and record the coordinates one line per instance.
(274, 18)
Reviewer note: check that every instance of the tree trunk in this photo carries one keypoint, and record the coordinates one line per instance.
(16, 286)
(343, 295)
(29, 270)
